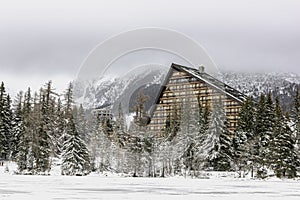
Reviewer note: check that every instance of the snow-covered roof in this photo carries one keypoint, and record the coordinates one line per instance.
(104, 106)
(215, 83)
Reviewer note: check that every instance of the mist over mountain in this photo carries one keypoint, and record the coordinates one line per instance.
(109, 90)
(282, 85)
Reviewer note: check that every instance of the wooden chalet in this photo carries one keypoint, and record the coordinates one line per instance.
(185, 84)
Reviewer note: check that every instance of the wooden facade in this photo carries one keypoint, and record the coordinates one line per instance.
(188, 85)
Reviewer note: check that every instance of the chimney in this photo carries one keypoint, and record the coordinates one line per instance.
(201, 68)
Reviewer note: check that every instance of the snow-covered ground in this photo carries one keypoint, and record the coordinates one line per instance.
(19, 187)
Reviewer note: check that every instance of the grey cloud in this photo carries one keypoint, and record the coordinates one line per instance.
(54, 37)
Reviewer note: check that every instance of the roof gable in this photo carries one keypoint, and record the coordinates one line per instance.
(213, 82)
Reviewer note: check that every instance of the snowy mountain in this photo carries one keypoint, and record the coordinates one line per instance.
(282, 85)
(114, 90)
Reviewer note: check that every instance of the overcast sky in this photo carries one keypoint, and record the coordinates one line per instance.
(43, 40)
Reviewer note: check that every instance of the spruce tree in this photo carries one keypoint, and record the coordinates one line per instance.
(284, 160)
(43, 132)
(75, 155)
(48, 119)
(268, 136)
(59, 121)
(25, 133)
(94, 144)
(295, 115)
(202, 116)
(18, 126)
(217, 145)
(264, 130)
(5, 123)
(224, 159)
(190, 130)
(245, 137)
(81, 122)
(135, 148)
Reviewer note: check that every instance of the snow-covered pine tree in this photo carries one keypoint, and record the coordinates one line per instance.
(283, 157)
(224, 159)
(5, 123)
(75, 155)
(246, 121)
(49, 118)
(217, 145)
(152, 152)
(202, 117)
(104, 154)
(148, 153)
(135, 141)
(25, 133)
(18, 128)
(268, 135)
(94, 144)
(264, 129)
(33, 135)
(59, 122)
(165, 154)
(189, 134)
(245, 137)
(135, 148)
(295, 116)
(43, 131)
(81, 123)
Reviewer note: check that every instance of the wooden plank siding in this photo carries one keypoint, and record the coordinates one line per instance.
(181, 86)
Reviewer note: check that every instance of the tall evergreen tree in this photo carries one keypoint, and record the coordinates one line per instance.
(5, 123)
(81, 122)
(264, 130)
(75, 155)
(217, 146)
(189, 132)
(43, 132)
(202, 116)
(18, 126)
(135, 148)
(224, 159)
(295, 114)
(245, 137)
(48, 119)
(283, 158)
(268, 135)
(59, 121)
(25, 133)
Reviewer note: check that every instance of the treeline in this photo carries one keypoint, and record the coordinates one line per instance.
(37, 127)
(40, 128)
(266, 141)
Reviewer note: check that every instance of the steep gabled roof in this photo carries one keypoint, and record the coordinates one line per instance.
(210, 80)
(213, 82)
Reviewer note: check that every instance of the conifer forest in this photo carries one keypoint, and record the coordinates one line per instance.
(42, 129)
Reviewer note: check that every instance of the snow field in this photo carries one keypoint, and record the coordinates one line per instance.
(110, 186)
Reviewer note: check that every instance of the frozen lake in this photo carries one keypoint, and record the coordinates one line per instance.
(15, 187)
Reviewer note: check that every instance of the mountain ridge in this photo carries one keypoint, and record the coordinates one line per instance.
(115, 90)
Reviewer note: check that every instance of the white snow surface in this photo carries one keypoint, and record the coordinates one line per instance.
(112, 186)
